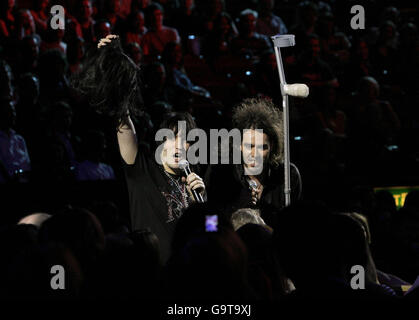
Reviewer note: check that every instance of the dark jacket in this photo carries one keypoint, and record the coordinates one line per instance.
(228, 189)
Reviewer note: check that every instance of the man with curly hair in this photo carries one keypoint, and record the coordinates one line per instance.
(228, 186)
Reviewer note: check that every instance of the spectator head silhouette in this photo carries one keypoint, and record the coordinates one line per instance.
(369, 89)
(244, 216)
(247, 22)
(84, 10)
(79, 230)
(154, 16)
(35, 219)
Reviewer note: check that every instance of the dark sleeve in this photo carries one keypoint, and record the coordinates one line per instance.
(143, 160)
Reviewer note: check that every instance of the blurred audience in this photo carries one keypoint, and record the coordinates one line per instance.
(356, 131)
(158, 35)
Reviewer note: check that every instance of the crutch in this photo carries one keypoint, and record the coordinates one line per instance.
(294, 90)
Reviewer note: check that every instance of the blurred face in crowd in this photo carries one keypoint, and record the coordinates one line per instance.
(157, 19)
(43, 4)
(388, 31)
(224, 25)
(103, 30)
(255, 147)
(27, 19)
(216, 7)
(189, 4)
(114, 6)
(144, 3)
(10, 4)
(363, 50)
(248, 24)
(86, 9)
(315, 47)
(138, 23)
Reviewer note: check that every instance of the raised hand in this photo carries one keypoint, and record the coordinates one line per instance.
(108, 39)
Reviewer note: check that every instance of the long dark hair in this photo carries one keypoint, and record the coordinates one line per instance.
(111, 82)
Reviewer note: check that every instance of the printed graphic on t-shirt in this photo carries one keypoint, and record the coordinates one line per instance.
(174, 206)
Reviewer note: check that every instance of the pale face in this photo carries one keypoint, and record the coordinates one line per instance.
(174, 150)
(255, 148)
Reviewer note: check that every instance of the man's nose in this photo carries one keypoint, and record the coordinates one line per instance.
(180, 143)
(253, 152)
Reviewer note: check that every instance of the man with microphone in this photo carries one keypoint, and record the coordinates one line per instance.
(159, 193)
(258, 181)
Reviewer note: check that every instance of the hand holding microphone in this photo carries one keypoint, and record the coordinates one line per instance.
(195, 184)
(256, 191)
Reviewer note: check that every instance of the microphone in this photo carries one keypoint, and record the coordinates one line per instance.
(296, 90)
(184, 165)
(253, 185)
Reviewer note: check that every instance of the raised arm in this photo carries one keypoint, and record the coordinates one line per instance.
(127, 141)
(111, 82)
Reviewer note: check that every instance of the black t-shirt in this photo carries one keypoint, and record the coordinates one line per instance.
(157, 199)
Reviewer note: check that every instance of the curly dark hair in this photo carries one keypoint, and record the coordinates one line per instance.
(112, 82)
(262, 114)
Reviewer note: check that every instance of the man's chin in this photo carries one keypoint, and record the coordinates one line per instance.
(174, 165)
(253, 169)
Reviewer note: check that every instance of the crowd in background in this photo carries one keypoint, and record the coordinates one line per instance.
(356, 130)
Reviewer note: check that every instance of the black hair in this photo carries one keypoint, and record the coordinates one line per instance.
(262, 114)
(111, 81)
(153, 7)
(171, 121)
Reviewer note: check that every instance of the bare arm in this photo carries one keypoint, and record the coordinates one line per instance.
(127, 141)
